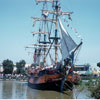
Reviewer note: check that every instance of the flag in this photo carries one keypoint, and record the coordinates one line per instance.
(67, 25)
(34, 56)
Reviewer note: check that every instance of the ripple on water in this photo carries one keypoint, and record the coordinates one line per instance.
(20, 90)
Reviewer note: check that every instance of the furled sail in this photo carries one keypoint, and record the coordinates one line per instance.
(67, 43)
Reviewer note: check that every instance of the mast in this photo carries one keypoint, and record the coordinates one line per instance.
(56, 40)
(39, 49)
(44, 19)
(45, 16)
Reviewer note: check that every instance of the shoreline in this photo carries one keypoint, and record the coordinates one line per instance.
(21, 80)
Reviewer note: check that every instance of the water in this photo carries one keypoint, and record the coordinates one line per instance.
(84, 94)
(20, 90)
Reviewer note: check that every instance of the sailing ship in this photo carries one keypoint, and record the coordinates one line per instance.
(54, 49)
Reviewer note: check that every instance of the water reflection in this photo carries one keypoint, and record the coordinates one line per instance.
(20, 90)
(6, 90)
(1, 90)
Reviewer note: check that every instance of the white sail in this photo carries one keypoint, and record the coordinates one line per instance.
(67, 43)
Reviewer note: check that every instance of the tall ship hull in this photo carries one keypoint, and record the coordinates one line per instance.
(59, 78)
(50, 79)
(54, 50)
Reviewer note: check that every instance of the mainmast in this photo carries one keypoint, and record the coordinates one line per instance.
(56, 31)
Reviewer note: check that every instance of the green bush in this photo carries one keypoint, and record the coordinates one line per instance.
(94, 87)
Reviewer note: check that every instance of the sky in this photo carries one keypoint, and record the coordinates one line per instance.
(16, 27)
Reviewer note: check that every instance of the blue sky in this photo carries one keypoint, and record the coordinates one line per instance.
(16, 27)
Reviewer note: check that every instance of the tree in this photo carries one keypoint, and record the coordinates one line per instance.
(98, 64)
(34, 65)
(20, 66)
(8, 66)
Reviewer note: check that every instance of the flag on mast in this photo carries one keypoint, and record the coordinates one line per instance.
(34, 56)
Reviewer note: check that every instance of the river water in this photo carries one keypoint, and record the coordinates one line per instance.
(20, 90)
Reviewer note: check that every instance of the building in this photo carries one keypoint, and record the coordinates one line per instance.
(83, 70)
(1, 68)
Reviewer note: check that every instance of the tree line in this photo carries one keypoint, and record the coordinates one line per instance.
(8, 67)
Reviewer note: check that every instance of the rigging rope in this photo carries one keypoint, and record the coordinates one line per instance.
(77, 53)
(73, 29)
(52, 61)
(50, 47)
(49, 36)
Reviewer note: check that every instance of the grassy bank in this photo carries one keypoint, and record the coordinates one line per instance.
(94, 87)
